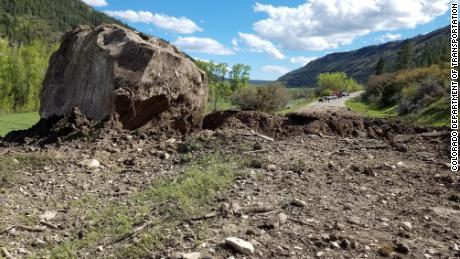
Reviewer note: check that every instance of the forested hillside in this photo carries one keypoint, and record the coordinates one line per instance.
(421, 51)
(22, 21)
(29, 32)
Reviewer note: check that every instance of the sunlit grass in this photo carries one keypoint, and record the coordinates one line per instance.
(17, 121)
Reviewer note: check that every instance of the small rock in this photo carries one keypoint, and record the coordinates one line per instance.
(193, 255)
(90, 163)
(272, 168)
(47, 215)
(406, 225)
(235, 207)
(282, 218)
(455, 247)
(38, 242)
(272, 222)
(319, 254)
(298, 203)
(240, 245)
(401, 247)
(345, 244)
(335, 245)
(354, 220)
(100, 249)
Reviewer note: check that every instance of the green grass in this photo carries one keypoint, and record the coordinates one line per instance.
(436, 114)
(356, 105)
(17, 121)
(221, 105)
(294, 105)
(164, 206)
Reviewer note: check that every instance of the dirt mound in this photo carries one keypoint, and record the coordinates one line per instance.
(56, 129)
(344, 125)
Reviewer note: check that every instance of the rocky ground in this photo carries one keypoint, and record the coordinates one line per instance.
(251, 186)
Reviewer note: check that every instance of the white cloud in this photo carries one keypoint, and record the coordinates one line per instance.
(202, 45)
(181, 25)
(326, 24)
(256, 44)
(276, 70)
(390, 37)
(301, 60)
(96, 2)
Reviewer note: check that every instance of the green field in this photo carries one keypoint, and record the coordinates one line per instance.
(369, 110)
(17, 121)
(436, 114)
(296, 104)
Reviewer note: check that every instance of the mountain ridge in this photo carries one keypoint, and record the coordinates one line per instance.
(360, 63)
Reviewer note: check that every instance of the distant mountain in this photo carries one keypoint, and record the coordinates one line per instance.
(22, 21)
(360, 64)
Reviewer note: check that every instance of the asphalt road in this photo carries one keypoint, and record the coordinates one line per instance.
(332, 103)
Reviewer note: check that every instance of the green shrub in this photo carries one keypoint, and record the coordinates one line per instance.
(266, 99)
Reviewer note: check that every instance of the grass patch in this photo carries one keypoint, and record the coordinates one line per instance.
(160, 209)
(11, 164)
(295, 105)
(436, 114)
(369, 110)
(17, 121)
(221, 106)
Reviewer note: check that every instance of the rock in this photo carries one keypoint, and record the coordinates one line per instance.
(90, 163)
(272, 168)
(282, 218)
(193, 255)
(345, 244)
(272, 222)
(298, 203)
(335, 245)
(100, 249)
(47, 215)
(235, 208)
(354, 220)
(110, 72)
(402, 247)
(406, 225)
(240, 245)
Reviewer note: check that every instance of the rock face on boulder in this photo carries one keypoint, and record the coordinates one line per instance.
(112, 73)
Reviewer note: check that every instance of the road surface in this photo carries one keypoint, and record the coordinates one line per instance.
(331, 104)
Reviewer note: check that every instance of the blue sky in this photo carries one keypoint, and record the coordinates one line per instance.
(276, 36)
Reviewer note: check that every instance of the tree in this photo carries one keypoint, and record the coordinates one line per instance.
(380, 68)
(239, 76)
(405, 58)
(339, 81)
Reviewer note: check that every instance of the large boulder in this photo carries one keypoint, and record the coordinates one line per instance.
(112, 73)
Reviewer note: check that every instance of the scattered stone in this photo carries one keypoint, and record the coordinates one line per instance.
(335, 245)
(345, 244)
(282, 218)
(402, 247)
(47, 215)
(100, 249)
(272, 168)
(298, 203)
(193, 255)
(406, 225)
(272, 222)
(38, 242)
(240, 245)
(90, 163)
(354, 220)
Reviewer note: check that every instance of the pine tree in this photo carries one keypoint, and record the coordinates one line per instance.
(405, 58)
(380, 68)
